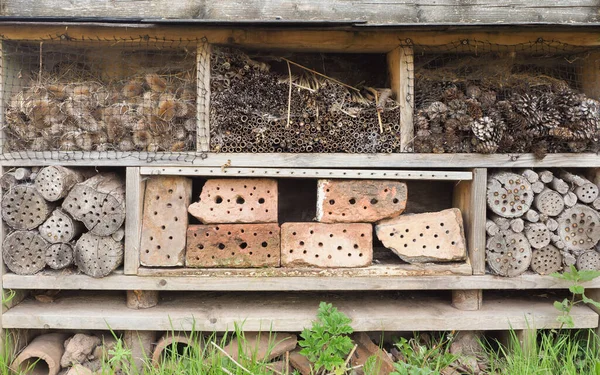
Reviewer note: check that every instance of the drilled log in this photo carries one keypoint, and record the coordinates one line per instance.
(546, 260)
(537, 187)
(559, 185)
(549, 202)
(579, 227)
(585, 190)
(55, 182)
(491, 228)
(98, 256)
(532, 216)
(530, 175)
(99, 203)
(8, 181)
(508, 253)
(23, 208)
(508, 194)
(546, 176)
(573, 179)
(538, 235)
(142, 299)
(570, 199)
(60, 227)
(589, 260)
(59, 256)
(24, 252)
(22, 174)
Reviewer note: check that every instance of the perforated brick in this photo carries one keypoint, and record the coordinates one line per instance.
(165, 221)
(363, 201)
(233, 245)
(326, 245)
(240, 200)
(428, 237)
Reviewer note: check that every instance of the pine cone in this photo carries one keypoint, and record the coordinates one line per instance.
(485, 147)
(483, 128)
(436, 111)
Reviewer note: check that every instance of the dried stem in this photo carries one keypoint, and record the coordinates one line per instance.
(289, 96)
(231, 358)
(320, 74)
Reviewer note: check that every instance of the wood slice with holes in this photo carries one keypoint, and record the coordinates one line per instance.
(55, 182)
(549, 202)
(508, 253)
(538, 235)
(60, 227)
(509, 194)
(165, 221)
(586, 193)
(59, 256)
(546, 260)
(589, 260)
(23, 208)
(98, 256)
(24, 252)
(579, 227)
(99, 202)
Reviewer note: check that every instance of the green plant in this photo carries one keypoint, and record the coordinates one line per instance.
(428, 358)
(576, 278)
(327, 344)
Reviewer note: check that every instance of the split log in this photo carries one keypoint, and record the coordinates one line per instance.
(142, 299)
(517, 225)
(568, 259)
(23, 208)
(508, 253)
(502, 222)
(551, 224)
(60, 227)
(538, 235)
(508, 194)
(579, 227)
(570, 199)
(559, 185)
(545, 176)
(532, 216)
(546, 260)
(530, 175)
(99, 203)
(549, 202)
(98, 256)
(538, 187)
(22, 174)
(8, 181)
(589, 260)
(491, 228)
(55, 182)
(24, 252)
(59, 256)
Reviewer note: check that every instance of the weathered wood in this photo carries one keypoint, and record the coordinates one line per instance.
(140, 344)
(98, 256)
(99, 202)
(502, 222)
(59, 255)
(133, 225)
(559, 185)
(291, 312)
(538, 235)
(589, 260)
(532, 216)
(568, 258)
(585, 190)
(22, 174)
(467, 300)
(546, 176)
(142, 299)
(509, 194)
(491, 228)
(517, 225)
(55, 182)
(24, 252)
(596, 204)
(60, 227)
(570, 199)
(8, 181)
(508, 253)
(119, 235)
(579, 227)
(551, 224)
(530, 175)
(203, 96)
(546, 260)
(400, 69)
(23, 208)
(537, 187)
(549, 202)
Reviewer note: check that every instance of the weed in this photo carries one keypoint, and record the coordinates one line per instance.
(576, 278)
(420, 359)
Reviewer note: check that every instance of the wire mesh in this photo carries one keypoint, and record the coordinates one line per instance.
(77, 97)
(474, 96)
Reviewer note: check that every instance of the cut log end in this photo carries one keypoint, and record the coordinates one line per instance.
(579, 227)
(23, 208)
(24, 252)
(508, 253)
(546, 260)
(55, 182)
(142, 299)
(589, 260)
(60, 227)
(98, 256)
(509, 195)
(59, 256)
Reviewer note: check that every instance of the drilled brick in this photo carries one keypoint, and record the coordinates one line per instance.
(428, 237)
(326, 245)
(240, 200)
(165, 221)
(365, 201)
(233, 245)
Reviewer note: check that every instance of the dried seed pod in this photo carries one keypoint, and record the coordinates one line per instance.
(156, 83)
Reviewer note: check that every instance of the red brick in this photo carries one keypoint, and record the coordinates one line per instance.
(359, 201)
(233, 245)
(428, 237)
(365, 349)
(326, 245)
(239, 200)
(165, 221)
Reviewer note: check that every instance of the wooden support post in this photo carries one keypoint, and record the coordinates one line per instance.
(401, 69)
(142, 299)
(525, 338)
(595, 295)
(134, 206)
(140, 343)
(203, 97)
(468, 300)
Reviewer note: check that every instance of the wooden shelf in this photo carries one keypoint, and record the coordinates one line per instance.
(220, 280)
(285, 160)
(288, 312)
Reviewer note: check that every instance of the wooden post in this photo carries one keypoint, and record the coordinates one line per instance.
(140, 343)
(468, 300)
(134, 206)
(526, 338)
(203, 97)
(401, 69)
(142, 299)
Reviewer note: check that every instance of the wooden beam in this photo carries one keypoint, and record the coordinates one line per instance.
(401, 69)
(134, 206)
(289, 312)
(203, 97)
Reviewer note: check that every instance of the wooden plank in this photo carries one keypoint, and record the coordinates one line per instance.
(223, 280)
(401, 69)
(203, 96)
(289, 312)
(286, 160)
(133, 223)
(381, 12)
(371, 174)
